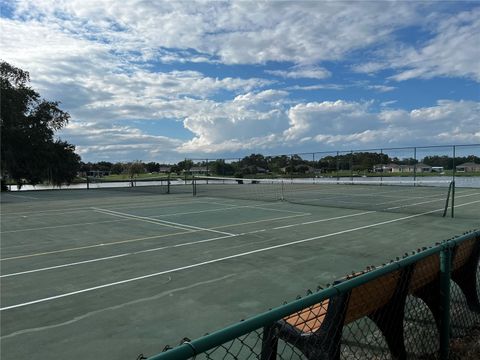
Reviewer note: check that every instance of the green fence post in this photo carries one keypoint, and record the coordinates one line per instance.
(381, 173)
(314, 167)
(185, 171)
(351, 166)
(445, 273)
(168, 183)
(414, 166)
(207, 170)
(453, 187)
(338, 166)
(291, 168)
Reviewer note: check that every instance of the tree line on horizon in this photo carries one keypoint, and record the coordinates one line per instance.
(258, 163)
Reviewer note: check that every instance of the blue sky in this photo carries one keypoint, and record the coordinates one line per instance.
(164, 80)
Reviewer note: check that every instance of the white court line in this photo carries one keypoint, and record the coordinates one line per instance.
(261, 207)
(125, 254)
(259, 221)
(138, 218)
(369, 195)
(94, 246)
(160, 222)
(425, 202)
(21, 196)
(227, 207)
(196, 242)
(420, 197)
(323, 220)
(60, 226)
(357, 214)
(349, 202)
(46, 212)
(428, 201)
(88, 208)
(143, 251)
(64, 265)
(59, 296)
(141, 239)
(199, 211)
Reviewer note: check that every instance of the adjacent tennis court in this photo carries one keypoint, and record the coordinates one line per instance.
(111, 273)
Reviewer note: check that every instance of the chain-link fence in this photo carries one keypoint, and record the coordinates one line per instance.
(409, 163)
(420, 179)
(409, 308)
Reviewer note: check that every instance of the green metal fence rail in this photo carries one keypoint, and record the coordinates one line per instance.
(381, 162)
(412, 307)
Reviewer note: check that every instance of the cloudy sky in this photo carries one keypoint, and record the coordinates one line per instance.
(164, 80)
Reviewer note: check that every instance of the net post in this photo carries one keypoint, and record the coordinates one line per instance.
(351, 166)
(453, 177)
(453, 199)
(194, 186)
(88, 183)
(206, 160)
(449, 192)
(381, 161)
(282, 194)
(445, 275)
(291, 168)
(338, 166)
(185, 171)
(313, 166)
(414, 166)
(168, 183)
(453, 163)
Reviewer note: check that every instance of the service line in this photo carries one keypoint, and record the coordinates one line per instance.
(158, 221)
(119, 242)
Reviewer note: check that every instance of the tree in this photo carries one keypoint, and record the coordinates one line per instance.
(254, 160)
(118, 168)
(64, 163)
(276, 163)
(184, 165)
(104, 166)
(220, 167)
(135, 168)
(152, 167)
(28, 149)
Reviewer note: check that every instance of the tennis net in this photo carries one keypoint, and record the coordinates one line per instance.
(402, 196)
(165, 185)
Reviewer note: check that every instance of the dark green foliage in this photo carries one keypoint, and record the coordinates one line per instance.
(447, 162)
(64, 163)
(220, 167)
(182, 165)
(257, 160)
(29, 151)
(367, 160)
(117, 168)
(152, 167)
(135, 168)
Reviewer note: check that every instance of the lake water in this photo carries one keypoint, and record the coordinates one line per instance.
(460, 181)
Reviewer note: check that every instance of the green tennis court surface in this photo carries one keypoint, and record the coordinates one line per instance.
(111, 273)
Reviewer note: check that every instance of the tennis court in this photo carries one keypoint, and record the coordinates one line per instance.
(111, 273)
